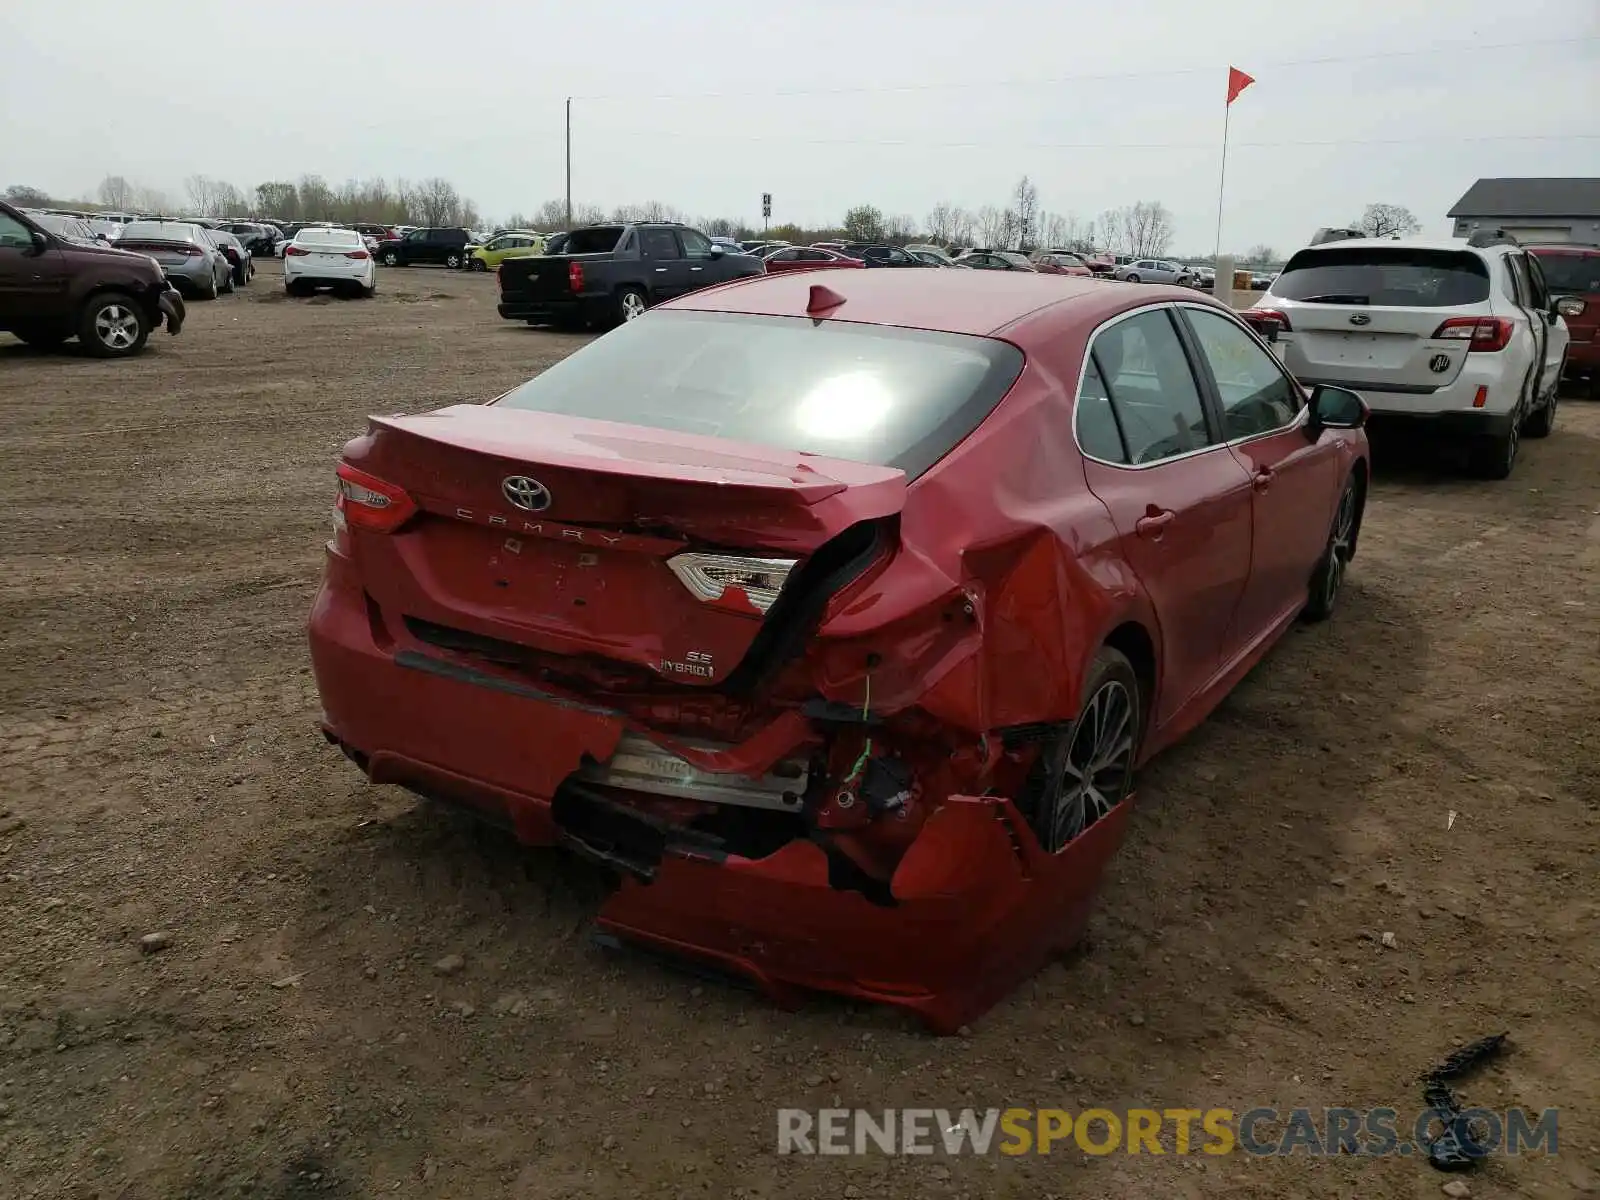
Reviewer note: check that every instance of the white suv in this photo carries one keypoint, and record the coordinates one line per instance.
(1461, 335)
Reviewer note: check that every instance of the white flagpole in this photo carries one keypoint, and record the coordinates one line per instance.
(1223, 180)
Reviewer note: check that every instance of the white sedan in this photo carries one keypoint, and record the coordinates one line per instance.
(332, 258)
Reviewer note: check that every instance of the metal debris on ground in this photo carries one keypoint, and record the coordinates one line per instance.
(1457, 1147)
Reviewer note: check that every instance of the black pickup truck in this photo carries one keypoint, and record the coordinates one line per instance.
(608, 274)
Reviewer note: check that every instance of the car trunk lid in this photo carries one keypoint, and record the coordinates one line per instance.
(166, 252)
(556, 534)
(1386, 347)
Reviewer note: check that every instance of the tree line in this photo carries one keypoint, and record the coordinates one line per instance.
(1143, 229)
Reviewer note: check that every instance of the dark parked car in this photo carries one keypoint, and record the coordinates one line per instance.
(447, 247)
(54, 288)
(1573, 271)
(612, 273)
(875, 254)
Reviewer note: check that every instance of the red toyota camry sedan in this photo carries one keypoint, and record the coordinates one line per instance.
(836, 615)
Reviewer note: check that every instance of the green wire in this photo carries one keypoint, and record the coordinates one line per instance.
(866, 749)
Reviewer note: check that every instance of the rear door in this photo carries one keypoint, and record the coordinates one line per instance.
(1365, 316)
(664, 264)
(1179, 499)
(1294, 479)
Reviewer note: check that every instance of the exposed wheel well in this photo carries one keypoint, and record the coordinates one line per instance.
(1360, 475)
(1133, 641)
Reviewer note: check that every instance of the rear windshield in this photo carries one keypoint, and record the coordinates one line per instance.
(593, 241)
(1570, 274)
(1389, 277)
(329, 237)
(160, 231)
(874, 394)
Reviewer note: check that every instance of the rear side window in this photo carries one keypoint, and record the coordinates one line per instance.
(1143, 367)
(895, 397)
(1385, 276)
(1098, 434)
(600, 240)
(1568, 274)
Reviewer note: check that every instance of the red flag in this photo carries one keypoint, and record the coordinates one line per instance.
(1237, 82)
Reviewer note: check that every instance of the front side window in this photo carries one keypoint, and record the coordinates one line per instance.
(14, 234)
(1256, 395)
(695, 245)
(1146, 373)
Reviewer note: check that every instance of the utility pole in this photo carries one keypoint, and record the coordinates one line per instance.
(569, 162)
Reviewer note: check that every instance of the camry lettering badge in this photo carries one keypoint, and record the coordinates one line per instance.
(1360, 319)
(527, 494)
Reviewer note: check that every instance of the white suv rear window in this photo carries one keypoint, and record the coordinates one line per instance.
(1384, 276)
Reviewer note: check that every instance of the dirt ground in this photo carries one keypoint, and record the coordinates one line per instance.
(161, 772)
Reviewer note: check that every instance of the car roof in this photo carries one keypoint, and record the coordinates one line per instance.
(1405, 243)
(980, 303)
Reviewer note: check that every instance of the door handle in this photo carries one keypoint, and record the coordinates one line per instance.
(1154, 523)
(697, 268)
(1262, 479)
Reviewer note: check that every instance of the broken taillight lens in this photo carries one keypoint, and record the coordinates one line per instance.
(732, 581)
(367, 502)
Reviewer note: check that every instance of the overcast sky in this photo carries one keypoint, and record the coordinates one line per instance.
(906, 102)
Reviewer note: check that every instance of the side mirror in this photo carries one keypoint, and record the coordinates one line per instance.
(1569, 306)
(1335, 408)
(717, 251)
(40, 243)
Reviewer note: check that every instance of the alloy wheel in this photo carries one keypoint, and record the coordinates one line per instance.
(117, 326)
(1092, 773)
(1340, 544)
(632, 306)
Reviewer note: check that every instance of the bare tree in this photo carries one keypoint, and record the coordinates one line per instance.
(992, 225)
(1108, 231)
(1381, 220)
(941, 223)
(1025, 214)
(586, 214)
(962, 225)
(153, 200)
(202, 193)
(1260, 255)
(900, 227)
(228, 200)
(437, 202)
(316, 198)
(1146, 228)
(116, 192)
(278, 199)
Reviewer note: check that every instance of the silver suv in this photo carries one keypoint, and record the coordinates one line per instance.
(1463, 337)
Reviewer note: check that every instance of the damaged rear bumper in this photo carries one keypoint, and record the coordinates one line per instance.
(973, 907)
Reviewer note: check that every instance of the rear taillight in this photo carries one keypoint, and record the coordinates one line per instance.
(1262, 316)
(193, 251)
(356, 254)
(294, 251)
(367, 502)
(733, 582)
(1482, 333)
(575, 276)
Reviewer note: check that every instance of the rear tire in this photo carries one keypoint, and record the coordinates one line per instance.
(630, 305)
(1086, 770)
(1541, 423)
(1132, 278)
(1494, 458)
(227, 287)
(390, 259)
(211, 289)
(113, 326)
(452, 261)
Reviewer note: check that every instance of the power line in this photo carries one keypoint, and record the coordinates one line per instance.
(1038, 81)
(990, 144)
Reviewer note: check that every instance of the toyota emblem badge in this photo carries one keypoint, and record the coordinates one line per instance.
(527, 494)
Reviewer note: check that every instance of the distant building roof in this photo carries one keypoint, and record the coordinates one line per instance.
(1570, 197)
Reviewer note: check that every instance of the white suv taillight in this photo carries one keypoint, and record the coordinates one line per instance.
(732, 581)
